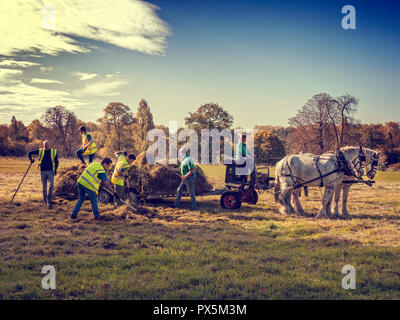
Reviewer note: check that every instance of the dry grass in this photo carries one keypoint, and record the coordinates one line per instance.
(213, 253)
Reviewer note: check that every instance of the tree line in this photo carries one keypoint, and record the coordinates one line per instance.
(323, 124)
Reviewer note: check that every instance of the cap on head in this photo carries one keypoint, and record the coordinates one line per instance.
(46, 144)
(82, 128)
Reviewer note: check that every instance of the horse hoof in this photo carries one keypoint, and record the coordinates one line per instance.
(321, 216)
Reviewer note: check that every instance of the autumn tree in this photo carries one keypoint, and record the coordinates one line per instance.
(143, 122)
(340, 111)
(64, 128)
(322, 124)
(17, 130)
(312, 125)
(37, 132)
(117, 117)
(268, 148)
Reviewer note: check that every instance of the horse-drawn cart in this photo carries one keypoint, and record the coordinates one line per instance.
(239, 189)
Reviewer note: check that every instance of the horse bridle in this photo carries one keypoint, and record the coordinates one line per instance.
(374, 163)
(359, 161)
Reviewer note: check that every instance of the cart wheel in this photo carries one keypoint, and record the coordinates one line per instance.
(254, 197)
(231, 200)
(133, 196)
(104, 197)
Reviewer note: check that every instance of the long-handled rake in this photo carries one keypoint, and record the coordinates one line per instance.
(21, 182)
(169, 169)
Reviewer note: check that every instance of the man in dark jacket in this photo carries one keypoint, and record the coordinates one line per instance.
(47, 164)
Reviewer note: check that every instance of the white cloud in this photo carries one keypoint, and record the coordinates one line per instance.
(46, 69)
(84, 76)
(17, 64)
(104, 87)
(130, 24)
(7, 74)
(45, 81)
(26, 101)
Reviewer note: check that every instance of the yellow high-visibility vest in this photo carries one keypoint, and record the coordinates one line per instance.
(119, 178)
(53, 153)
(89, 177)
(92, 148)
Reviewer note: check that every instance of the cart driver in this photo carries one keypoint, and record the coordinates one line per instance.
(241, 151)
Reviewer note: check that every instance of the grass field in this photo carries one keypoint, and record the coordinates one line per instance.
(253, 253)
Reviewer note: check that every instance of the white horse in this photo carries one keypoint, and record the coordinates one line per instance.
(371, 162)
(313, 170)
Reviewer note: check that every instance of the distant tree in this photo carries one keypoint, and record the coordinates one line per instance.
(143, 122)
(117, 116)
(17, 130)
(340, 111)
(268, 148)
(312, 124)
(4, 136)
(209, 116)
(63, 126)
(323, 123)
(392, 132)
(109, 144)
(37, 132)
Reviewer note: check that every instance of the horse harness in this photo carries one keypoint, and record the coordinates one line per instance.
(341, 163)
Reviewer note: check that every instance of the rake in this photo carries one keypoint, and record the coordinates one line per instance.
(21, 182)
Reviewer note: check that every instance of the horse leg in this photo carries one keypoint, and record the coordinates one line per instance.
(296, 202)
(345, 196)
(283, 195)
(338, 191)
(322, 214)
(289, 201)
(328, 205)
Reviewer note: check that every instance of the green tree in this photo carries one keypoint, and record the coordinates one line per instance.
(268, 148)
(143, 122)
(117, 117)
(209, 116)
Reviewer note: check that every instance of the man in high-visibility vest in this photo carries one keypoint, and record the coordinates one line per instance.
(89, 147)
(47, 164)
(89, 184)
(188, 176)
(121, 169)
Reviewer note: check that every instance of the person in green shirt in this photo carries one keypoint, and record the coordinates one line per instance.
(188, 176)
(241, 148)
(241, 151)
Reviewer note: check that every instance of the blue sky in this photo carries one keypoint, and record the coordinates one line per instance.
(260, 60)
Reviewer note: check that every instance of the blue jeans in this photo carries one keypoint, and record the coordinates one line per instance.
(79, 154)
(190, 187)
(82, 192)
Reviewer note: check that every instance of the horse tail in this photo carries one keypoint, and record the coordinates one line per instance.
(277, 188)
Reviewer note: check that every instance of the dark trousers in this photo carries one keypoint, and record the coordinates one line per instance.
(82, 192)
(79, 154)
(47, 176)
(121, 192)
